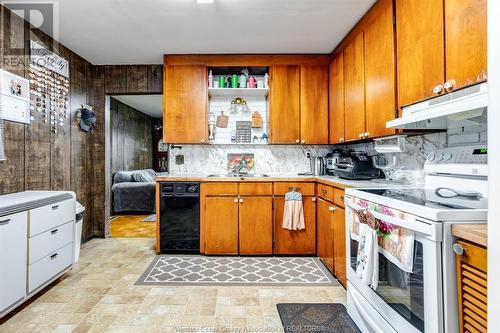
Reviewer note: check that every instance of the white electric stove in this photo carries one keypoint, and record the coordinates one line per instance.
(420, 296)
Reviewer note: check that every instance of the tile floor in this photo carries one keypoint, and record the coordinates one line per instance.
(99, 295)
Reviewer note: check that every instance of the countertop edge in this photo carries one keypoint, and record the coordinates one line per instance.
(473, 232)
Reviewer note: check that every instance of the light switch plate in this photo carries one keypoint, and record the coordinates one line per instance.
(179, 159)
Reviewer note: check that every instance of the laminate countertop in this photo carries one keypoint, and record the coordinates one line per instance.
(475, 233)
(328, 180)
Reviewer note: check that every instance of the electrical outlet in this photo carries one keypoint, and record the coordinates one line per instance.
(179, 159)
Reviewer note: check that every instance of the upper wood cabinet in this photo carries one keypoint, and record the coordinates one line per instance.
(314, 104)
(336, 100)
(380, 76)
(284, 104)
(185, 104)
(354, 88)
(465, 40)
(420, 48)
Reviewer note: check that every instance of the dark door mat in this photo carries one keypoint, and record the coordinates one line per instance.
(327, 318)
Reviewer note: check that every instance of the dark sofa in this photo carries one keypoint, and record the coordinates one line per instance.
(134, 191)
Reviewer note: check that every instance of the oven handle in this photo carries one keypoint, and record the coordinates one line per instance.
(366, 316)
(420, 227)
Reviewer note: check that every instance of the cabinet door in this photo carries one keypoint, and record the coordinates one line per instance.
(465, 26)
(380, 73)
(314, 104)
(420, 48)
(354, 87)
(256, 225)
(295, 241)
(284, 104)
(221, 225)
(13, 258)
(185, 104)
(339, 245)
(336, 101)
(325, 233)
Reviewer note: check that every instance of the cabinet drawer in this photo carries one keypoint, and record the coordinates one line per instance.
(338, 197)
(256, 188)
(304, 188)
(325, 192)
(50, 216)
(48, 267)
(474, 255)
(220, 188)
(46, 243)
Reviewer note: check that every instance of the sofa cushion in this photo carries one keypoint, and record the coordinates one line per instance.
(123, 177)
(143, 176)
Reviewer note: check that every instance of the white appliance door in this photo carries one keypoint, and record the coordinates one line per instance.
(409, 292)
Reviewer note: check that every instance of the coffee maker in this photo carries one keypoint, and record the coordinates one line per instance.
(331, 160)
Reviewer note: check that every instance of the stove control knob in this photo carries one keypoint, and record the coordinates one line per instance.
(458, 249)
(447, 156)
(431, 157)
(439, 157)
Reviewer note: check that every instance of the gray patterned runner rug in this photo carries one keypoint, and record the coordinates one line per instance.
(240, 271)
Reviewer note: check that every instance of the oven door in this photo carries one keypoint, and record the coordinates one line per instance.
(408, 297)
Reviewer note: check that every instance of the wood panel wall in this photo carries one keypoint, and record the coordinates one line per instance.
(71, 159)
(131, 138)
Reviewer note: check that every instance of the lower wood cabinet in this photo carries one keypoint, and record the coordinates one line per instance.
(472, 287)
(300, 242)
(221, 225)
(339, 245)
(256, 225)
(325, 233)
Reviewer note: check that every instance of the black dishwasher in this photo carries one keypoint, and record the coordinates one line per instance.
(179, 217)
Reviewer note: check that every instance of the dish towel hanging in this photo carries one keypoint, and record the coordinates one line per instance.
(367, 258)
(293, 216)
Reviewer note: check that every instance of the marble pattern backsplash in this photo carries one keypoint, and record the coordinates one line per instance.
(269, 159)
(405, 167)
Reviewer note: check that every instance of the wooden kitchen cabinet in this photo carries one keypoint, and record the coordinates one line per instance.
(465, 41)
(472, 287)
(336, 99)
(339, 245)
(354, 88)
(325, 232)
(185, 104)
(256, 225)
(221, 225)
(420, 48)
(296, 242)
(380, 72)
(313, 104)
(284, 104)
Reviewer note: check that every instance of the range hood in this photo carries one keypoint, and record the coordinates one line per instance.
(465, 104)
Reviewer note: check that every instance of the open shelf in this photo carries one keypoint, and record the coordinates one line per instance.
(237, 92)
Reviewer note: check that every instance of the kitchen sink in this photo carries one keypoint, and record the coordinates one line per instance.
(235, 175)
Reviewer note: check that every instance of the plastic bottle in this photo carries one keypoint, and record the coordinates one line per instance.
(266, 81)
(210, 80)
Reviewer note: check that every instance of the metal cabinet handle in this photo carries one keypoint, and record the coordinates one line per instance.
(55, 207)
(438, 89)
(2, 222)
(360, 135)
(52, 257)
(313, 199)
(367, 134)
(297, 141)
(241, 200)
(341, 140)
(331, 208)
(53, 232)
(236, 200)
(458, 249)
(202, 140)
(449, 85)
(303, 141)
